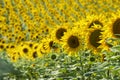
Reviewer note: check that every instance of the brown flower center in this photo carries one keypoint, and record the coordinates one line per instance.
(25, 50)
(35, 54)
(51, 44)
(73, 41)
(116, 28)
(94, 38)
(30, 45)
(60, 33)
(95, 22)
(1, 46)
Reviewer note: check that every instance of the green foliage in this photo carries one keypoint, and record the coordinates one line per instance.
(60, 66)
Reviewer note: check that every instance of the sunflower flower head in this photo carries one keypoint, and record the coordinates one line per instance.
(72, 42)
(111, 30)
(92, 20)
(59, 31)
(92, 39)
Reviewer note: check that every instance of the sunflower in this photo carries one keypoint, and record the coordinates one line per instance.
(12, 52)
(31, 50)
(2, 46)
(49, 45)
(111, 30)
(113, 26)
(31, 44)
(35, 54)
(58, 32)
(44, 29)
(24, 50)
(72, 42)
(92, 38)
(40, 50)
(35, 47)
(10, 37)
(19, 37)
(10, 48)
(15, 56)
(92, 20)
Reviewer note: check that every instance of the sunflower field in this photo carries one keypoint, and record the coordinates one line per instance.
(59, 39)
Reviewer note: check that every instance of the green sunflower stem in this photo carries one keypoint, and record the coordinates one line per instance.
(82, 66)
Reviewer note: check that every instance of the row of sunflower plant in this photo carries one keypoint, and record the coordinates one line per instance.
(54, 66)
(32, 32)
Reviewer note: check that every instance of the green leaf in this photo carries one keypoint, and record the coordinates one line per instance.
(7, 67)
(115, 48)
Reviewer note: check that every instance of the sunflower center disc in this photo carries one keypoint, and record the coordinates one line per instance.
(60, 33)
(1, 46)
(116, 28)
(34, 54)
(94, 38)
(25, 50)
(30, 45)
(51, 44)
(95, 22)
(73, 42)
